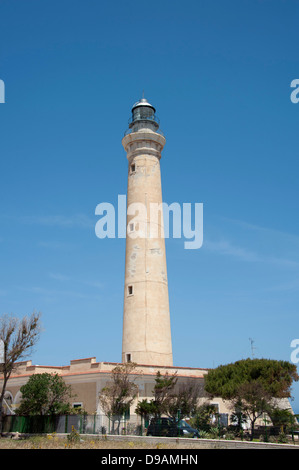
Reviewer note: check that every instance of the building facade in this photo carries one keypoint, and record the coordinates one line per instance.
(87, 378)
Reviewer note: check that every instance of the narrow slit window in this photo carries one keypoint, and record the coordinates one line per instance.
(128, 357)
(130, 290)
(132, 227)
(133, 168)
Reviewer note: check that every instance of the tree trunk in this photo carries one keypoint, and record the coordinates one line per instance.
(118, 425)
(252, 429)
(5, 380)
(1, 418)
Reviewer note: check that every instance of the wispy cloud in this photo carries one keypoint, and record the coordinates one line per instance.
(97, 285)
(65, 278)
(225, 247)
(269, 231)
(66, 221)
(52, 245)
(69, 221)
(53, 294)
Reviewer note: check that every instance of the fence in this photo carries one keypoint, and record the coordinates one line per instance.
(84, 424)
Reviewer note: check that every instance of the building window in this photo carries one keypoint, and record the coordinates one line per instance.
(133, 168)
(78, 405)
(128, 358)
(132, 227)
(127, 413)
(130, 290)
(8, 397)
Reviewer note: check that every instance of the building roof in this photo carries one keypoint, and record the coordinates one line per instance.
(90, 365)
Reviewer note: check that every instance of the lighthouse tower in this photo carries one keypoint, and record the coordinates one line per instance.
(146, 319)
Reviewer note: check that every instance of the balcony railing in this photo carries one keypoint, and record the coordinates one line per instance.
(158, 131)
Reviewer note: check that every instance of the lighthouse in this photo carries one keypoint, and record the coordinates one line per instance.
(146, 316)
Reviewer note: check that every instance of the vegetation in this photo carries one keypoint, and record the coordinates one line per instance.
(145, 409)
(252, 401)
(183, 401)
(158, 405)
(18, 337)
(283, 418)
(73, 437)
(52, 441)
(171, 398)
(117, 397)
(275, 377)
(162, 391)
(251, 385)
(203, 418)
(45, 394)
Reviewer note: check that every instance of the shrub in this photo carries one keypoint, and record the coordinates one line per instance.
(229, 436)
(74, 436)
(282, 438)
(213, 433)
(204, 434)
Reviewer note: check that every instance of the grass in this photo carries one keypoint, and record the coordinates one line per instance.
(56, 442)
(53, 441)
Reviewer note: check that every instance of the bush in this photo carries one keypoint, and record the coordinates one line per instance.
(213, 433)
(74, 436)
(282, 438)
(204, 434)
(229, 436)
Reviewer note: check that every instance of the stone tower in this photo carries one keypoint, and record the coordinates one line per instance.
(146, 319)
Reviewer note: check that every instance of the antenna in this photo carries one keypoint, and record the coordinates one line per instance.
(143, 94)
(252, 347)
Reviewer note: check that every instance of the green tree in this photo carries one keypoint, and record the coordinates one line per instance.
(252, 400)
(276, 377)
(238, 418)
(164, 385)
(171, 397)
(18, 336)
(203, 417)
(145, 409)
(45, 394)
(283, 418)
(252, 384)
(162, 390)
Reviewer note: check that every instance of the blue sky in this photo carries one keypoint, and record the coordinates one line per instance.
(219, 75)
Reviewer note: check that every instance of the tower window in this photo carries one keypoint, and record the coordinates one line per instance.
(128, 357)
(132, 227)
(130, 290)
(133, 168)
